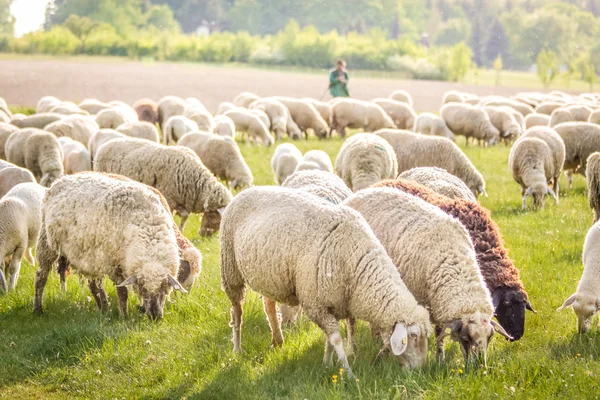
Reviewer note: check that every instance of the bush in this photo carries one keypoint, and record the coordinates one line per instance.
(547, 67)
(460, 61)
(58, 40)
(243, 46)
(415, 68)
(106, 42)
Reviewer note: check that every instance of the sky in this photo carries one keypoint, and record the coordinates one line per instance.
(29, 15)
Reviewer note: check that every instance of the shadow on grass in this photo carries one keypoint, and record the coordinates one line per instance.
(587, 344)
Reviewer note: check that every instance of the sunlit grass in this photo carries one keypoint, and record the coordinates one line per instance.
(74, 351)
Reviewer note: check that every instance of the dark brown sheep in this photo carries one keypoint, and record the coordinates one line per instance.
(499, 272)
(147, 110)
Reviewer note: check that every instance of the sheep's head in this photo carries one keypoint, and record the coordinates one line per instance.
(409, 342)
(241, 183)
(295, 133)
(538, 191)
(50, 177)
(153, 291)
(211, 220)
(510, 306)
(474, 333)
(322, 133)
(585, 306)
(189, 267)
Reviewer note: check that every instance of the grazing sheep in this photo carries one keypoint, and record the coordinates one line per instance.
(168, 107)
(499, 272)
(11, 175)
(435, 258)
(402, 96)
(224, 107)
(101, 137)
(315, 159)
(260, 114)
(111, 118)
(470, 122)
(501, 117)
(320, 183)
(536, 120)
(284, 161)
(75, 127)
(323, 108)
(5, 131)
(277, 114)
(365, 159)
(433, 125)
(318, 272)
(140, 130)
(44, 158)
(176, 127)
(93, 106)
(14, 148)
(548, 107)
(358, 114)
(221, 155)
(586, 299)
(440, 181)
(593, 183)
(20, 213)
(244, 99)
(536, 160)
(200, 116)
(176, 172)
(76, 156)
(306, 116)
(581, 139)
(414, 150)
(68, 108)
(46, 103)
(251, 124)
(453, 96)
(402, 114)
(147, 110)
(38, 121)
(224, 126)
(138, 247)
(523, 108)
(572, 113)
(595, 117)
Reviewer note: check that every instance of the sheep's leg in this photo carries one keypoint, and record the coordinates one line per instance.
(29, 256)
(569, 174)
(15, 265)
(184, 216)
(45, 257)
(63, 268)
(351, 327)
(123, 294)
(271, 311)
(328, 354)
(236, 325)
(440, 343)
(99, 294)
(3, 284)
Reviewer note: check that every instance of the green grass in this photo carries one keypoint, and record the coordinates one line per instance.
(72, 351)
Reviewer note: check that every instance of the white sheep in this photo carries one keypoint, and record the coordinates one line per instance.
(571, 113)
(244, 99)
(11, 175)
(536, 119)
(286, 158)
(503, 119)
(38, 121)
(431, 124)
(175, 171)
(593, 183)
(524, 109)
(250, 123)
(364, 160)
(68, 108)
(358, 114)
(140, 130)
(435, 257)
(401, 113)
(222, 156)
(277, 112)
(315, 159)
(581, 140)
(132, 234)
(320, 183)
(168, 107)
(440, 181)
(176, 127)
(46, 103)
(76, 156)
(547, 107)
(93, 106)
(333, 267)
(306, 116)
(76, 127)
(471, 122)
(101, 137)
(44, 158)
(200, 116)
(111, 118)
(586, 299)
(595, 117)
(224, 126)
(224, 107)
(20, 213)
(14, 148)
(5, 131)
(402, 96)
(322, 107)
(536, 160)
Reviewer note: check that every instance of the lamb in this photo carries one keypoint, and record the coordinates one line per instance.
(76, 156)
(14, 147)
(168, 107)
(101, 137)
(536, 120)
(284, 161)
(315, 159)
(306, 116)
(112, 118)
(431, 124)
(570, 114)
(38, 121)
(536, 160)
(147, 110)
(46, 103)
(593, 183)
(319, 273)
(246, 121)
(277, 114)
(224, 126)
(581, 139)
(364, 160)
(445, 278)
(402, 96)
(504, 121)
(402, 114)
(323, 108)
(11, 175)
(20, 213)
(176, 127)
(221, 155)
(44, 158)
(200, 116)
(260, 114)
(523, 108)
(244, 99)
(586, 299)
(358, 114)
(440, 181)
(176, 172)
(138, 247)
(414, 150)
(501, 277)
(470, 122)
(76, 127)
(140, 130)
(93, 106)
(320, 183)
(224, 107)
(5, 131)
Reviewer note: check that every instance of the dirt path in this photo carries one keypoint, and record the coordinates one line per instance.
(23, 82)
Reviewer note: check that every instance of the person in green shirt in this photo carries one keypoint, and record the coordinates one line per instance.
(338, 80)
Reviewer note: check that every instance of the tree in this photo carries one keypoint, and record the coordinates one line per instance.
(460, 61)
(498, 65)
(498, 43)
(81, 27)
(452, 32)
(547, 67)
(7, 21)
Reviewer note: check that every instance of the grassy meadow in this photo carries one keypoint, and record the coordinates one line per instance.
(73, 351)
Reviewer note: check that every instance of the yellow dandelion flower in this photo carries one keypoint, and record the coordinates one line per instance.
(460, 371)
(341, 371)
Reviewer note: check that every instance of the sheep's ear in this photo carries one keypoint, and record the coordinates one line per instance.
(399, 339)
(132, 280)
(498, 328)
(449, 328)
(551, 192)
(482, 190)
(568, 302)
(175, 284)
(529, 307)
(233, 184)
(221, 210)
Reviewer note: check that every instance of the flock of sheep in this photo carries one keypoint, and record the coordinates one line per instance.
(341, 240)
